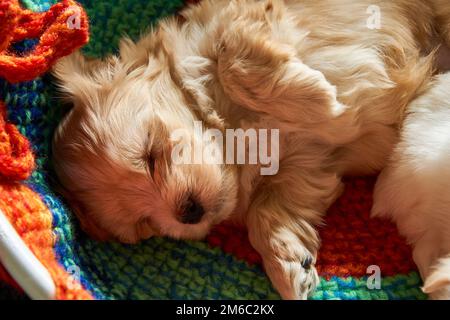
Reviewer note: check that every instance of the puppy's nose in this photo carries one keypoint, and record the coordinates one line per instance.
(193, 212)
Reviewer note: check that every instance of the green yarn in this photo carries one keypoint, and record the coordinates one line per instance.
(351, 288)
(37, 5)
(111, 20)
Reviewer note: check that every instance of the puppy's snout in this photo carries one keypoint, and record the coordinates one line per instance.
(192, 213)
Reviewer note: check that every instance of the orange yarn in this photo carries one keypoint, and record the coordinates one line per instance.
(61, 30)
(16, 158)
(33, 221)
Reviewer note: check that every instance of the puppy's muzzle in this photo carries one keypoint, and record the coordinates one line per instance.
(192, 212)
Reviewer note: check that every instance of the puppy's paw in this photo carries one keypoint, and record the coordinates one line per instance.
(437, 284)
(294, 279)
(290, 266)
(441, 294)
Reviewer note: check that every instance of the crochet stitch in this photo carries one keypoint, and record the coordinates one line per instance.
(224, 266)
(22, 206)
(61, 29)
(16, 158)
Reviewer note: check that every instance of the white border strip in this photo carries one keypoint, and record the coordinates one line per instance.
(23, 265)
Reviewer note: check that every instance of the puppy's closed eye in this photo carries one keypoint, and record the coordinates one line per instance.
(158, 162)
(151, 162)
(158, 152)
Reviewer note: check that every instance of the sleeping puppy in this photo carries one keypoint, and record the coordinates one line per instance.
(336, 87)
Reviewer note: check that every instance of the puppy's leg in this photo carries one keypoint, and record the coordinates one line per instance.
(281, 228)
(415, 188)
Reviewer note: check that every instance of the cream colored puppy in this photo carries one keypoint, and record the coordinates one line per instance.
(415, 188)
(336, 87)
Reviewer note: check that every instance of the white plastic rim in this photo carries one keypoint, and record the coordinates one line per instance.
(23, 265)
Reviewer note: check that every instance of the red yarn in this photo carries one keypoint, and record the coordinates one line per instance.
(6, 278)
(351, 240)
(16, 157)
(61, 30)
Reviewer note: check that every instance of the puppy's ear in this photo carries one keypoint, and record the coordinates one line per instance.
(259, 69)
(74, 74)
(262, 76)
(136, 54)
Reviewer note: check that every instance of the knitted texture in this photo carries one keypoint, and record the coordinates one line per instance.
(61, 29)
(16, 158)
(224, 266)
(21, 205)
(33, 222)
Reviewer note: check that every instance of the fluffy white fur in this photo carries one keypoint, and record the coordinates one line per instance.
(415, 188)
(337, 90)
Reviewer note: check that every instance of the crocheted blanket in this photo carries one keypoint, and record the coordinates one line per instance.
(224, 266)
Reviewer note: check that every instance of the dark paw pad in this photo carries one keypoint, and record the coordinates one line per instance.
(306, 264)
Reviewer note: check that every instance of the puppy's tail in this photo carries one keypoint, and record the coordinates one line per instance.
(437, 284)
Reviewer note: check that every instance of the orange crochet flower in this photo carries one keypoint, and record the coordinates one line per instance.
(60, 30)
